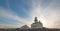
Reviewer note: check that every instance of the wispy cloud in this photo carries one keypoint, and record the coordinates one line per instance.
(11, 16)
(48, 12)
(48, 15)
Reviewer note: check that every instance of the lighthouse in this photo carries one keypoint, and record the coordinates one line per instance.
(36, 24)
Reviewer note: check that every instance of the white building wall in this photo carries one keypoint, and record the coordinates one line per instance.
(36, 25)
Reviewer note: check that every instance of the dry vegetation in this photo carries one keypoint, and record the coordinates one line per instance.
(39, 29)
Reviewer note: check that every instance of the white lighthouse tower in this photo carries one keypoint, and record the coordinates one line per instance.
(36, 24)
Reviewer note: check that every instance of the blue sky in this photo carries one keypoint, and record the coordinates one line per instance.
(16, 5)
(20, 12)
